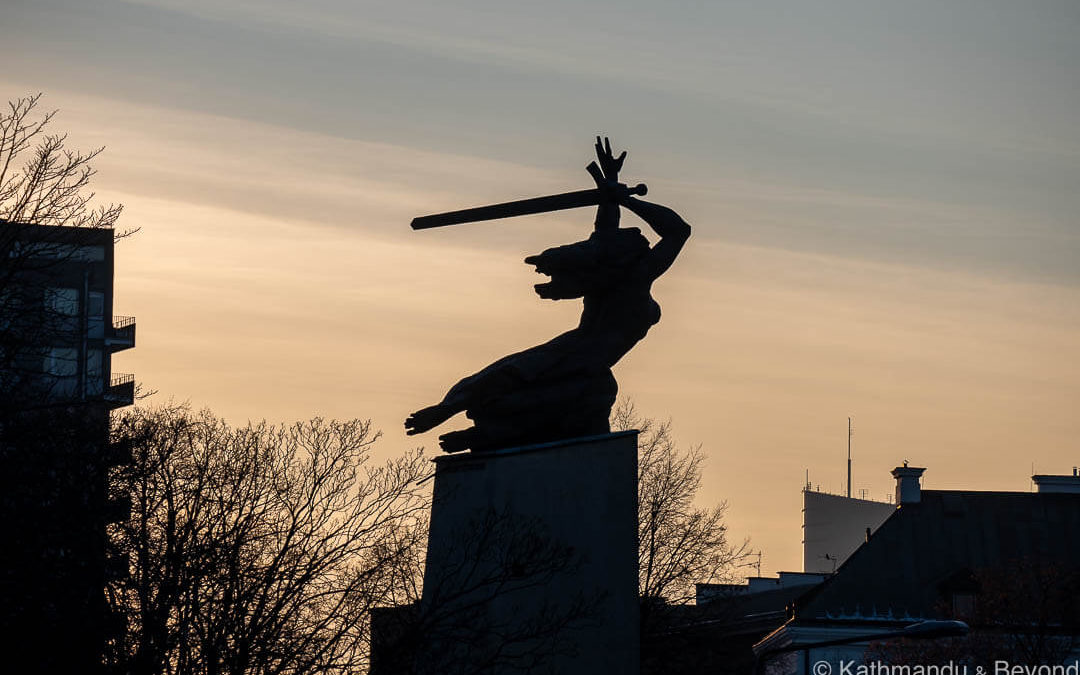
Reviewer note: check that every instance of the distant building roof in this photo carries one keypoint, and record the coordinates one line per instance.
(1068, 484)
(907, 565)
(59, 234)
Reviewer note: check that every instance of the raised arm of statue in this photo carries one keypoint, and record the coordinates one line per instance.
(673, 231)
(606, 176)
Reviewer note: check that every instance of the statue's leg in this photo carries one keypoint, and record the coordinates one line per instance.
(459, 441)
(578, 404)
(487, 383)
(509, 374)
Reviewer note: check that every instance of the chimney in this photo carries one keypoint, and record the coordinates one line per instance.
(908, 489)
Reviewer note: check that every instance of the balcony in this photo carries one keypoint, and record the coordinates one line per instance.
(121, 390)
(121, 334)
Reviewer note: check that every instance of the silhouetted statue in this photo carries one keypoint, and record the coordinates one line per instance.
(564, 388)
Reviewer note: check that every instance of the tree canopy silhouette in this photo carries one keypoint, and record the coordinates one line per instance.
(261, 548)
(41, 180)
(679, 543)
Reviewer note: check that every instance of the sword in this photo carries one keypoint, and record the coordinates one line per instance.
(523, 207)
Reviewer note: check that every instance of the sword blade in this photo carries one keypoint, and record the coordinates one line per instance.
(523, 207)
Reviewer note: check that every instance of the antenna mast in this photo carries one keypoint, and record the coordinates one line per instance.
(849, 457)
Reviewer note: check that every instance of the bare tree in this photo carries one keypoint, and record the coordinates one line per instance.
(42, 181)
(259, 549)
(679, 544)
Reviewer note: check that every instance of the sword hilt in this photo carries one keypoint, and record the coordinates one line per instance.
(598, 175)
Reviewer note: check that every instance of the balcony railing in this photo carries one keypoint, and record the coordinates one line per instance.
(121, 378)
(121, 391)
(122, 334)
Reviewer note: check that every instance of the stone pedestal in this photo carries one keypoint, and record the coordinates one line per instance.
(532, 559)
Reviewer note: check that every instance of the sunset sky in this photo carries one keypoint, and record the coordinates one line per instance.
(885, 199)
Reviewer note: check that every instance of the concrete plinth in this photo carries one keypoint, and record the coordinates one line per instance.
(532, 559)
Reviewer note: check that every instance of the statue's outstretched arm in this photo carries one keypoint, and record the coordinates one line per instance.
(673, 231)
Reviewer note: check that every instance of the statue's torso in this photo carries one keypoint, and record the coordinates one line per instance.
(618, 319)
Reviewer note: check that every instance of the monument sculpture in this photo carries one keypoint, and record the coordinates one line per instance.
(564, 388)
(543, 460)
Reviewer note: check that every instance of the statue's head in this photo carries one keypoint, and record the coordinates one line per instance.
(607, 257)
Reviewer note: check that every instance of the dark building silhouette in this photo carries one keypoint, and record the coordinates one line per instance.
(57, 388)
(1001, 561)
(716, 635)
(952, 554)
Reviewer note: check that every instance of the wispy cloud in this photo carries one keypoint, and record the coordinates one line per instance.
(883, 200)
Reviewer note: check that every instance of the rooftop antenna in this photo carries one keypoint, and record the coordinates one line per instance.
(758, 564)
(849, 457)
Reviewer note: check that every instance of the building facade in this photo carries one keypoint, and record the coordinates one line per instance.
(1007, 563)
(834, 526)
(58, 387)
(58, 328)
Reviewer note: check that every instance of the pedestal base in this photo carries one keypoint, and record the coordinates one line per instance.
(532, 559)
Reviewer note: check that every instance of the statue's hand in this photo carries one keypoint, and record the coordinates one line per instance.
(614, 191)
(607, 180)
(610, 164)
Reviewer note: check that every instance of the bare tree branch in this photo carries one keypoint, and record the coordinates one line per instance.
(41, 181)
(260, 549)
(679, 544)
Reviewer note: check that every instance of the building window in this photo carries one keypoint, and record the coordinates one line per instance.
(62, 301)
(96, 304)
(62, 366)
(95, 320)
(62, 311)
(95, 377)
(62, 362)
